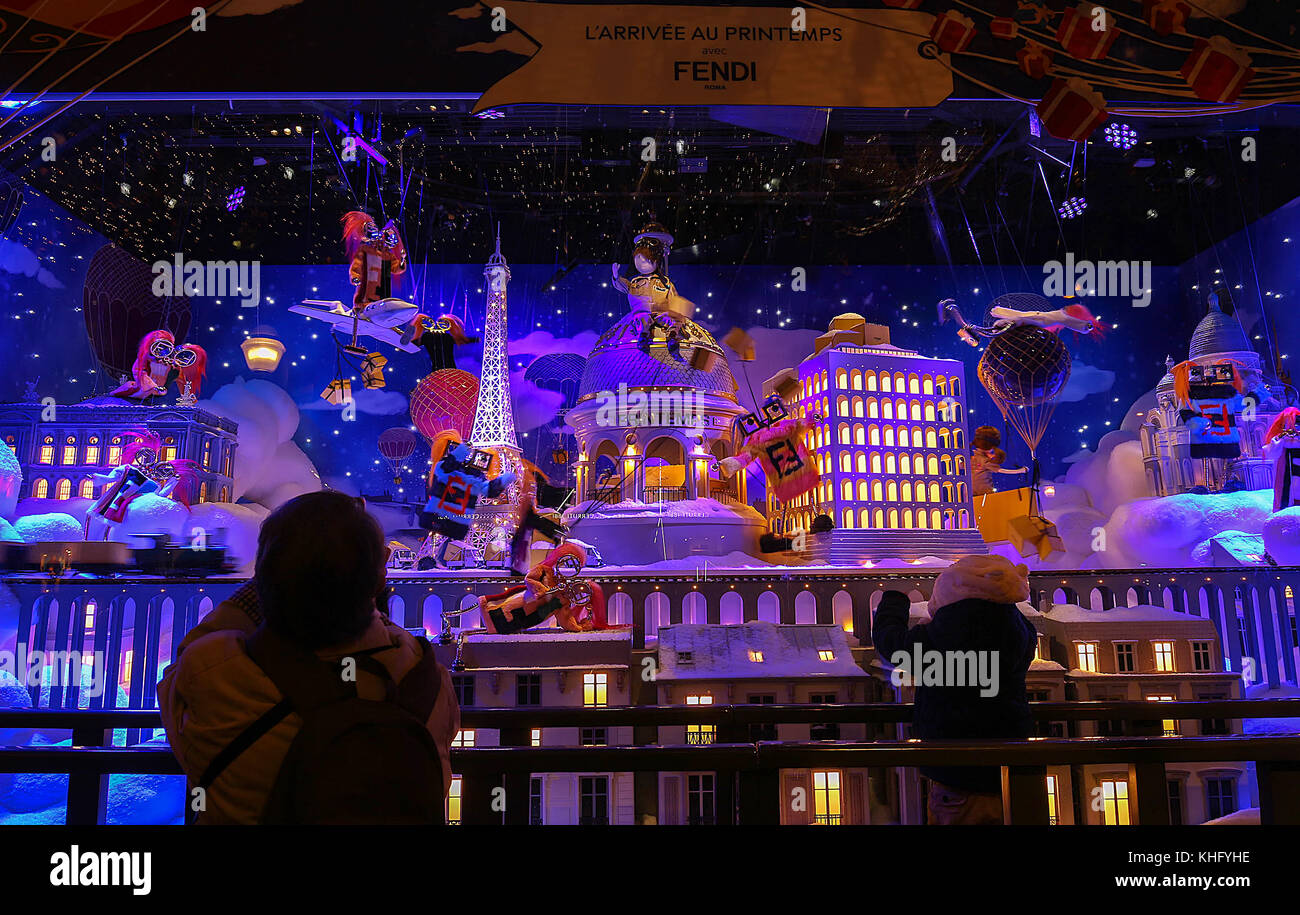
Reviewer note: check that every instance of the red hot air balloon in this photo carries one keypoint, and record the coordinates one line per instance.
(444, 400)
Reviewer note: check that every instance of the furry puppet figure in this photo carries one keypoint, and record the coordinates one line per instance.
(1210, 398)
(374, 256)
(143, 470)
(159, 362)
(777, 441)
(1282, 444)
(439, 339)
(551, 588)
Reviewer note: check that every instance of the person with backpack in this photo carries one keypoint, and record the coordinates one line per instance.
(298, 700)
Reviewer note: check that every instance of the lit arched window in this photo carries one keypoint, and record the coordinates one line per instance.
(941, 386)
(879, 517)
(900, 383)
(929, 411)
(865, 517)
(889, 436)
(875, 462)
(907, 519)
(927, 385)
(858, 434)
(932, 464)
(907, 492)
(41, 489)
(934, 497)
(871, 381)
(931, 439)
(844, 462)
(891, 463)
(846, 490)
(916, 411)
(842, 405)
(92, 450)
(855, 381)
(86, 489)
(891, 491)
(841, 378)
(885, 384)
(69, 450)
(47, 451)
(861, 462)
(848, 519)
(905, 464)
(889, 410)
(873, 435)
(955, 384)
(893, 517)
(64, 489)
(844, 433)
(857, 406)
(920, 519)
(203, 491)
(913, 384)
(903, 437)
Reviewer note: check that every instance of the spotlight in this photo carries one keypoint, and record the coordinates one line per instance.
(124, 188)
(188, 178)
(234, 199)
(288, 171)
(1121, 136)
(1072, 208)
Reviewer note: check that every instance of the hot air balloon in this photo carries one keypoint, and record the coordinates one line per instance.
(396, 445)
(444, 400)
(119, 308)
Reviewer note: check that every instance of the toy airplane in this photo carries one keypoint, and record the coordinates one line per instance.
(385, 320)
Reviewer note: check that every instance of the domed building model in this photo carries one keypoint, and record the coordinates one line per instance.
(653, 419)
(1165, 439)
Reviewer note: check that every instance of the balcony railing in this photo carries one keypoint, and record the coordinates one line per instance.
(748, 786)
(665, 494)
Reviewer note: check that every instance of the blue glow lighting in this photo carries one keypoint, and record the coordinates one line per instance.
(1121, 136)
(1072, 207)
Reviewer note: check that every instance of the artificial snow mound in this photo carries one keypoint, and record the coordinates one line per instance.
(11, 480)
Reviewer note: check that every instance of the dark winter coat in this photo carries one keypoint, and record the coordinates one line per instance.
(960, 712)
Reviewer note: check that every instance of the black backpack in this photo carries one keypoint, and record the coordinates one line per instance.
(354, 761)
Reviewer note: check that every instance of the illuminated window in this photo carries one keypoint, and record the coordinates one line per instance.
(535, 737)
(464, 738)
(128, 657)
(700, 733)
(169, 453)
(92, 454)
(1052, 815)
(87, 489)
(41, 489)
(69, 454)
(453, 802)
(47, 452)
(826, 798)
(756, 656)
(595, 690)
(88, 624)
(203, 491)
(1114, 796)
(1164, 652)
(114, 455)
(1087, 652)
(1169, 726)
(207, 453)
(826, 654)
(64, 489)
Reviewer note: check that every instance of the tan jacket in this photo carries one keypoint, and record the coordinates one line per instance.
(215, 690)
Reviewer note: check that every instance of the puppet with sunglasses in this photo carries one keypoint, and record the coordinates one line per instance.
(159, 362)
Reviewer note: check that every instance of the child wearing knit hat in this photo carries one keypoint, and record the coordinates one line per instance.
(973, 615)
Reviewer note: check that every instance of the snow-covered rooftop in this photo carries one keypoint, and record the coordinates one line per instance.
(754, 651)
(1073, 613)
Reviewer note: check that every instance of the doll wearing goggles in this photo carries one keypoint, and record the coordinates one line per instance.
(159, 362)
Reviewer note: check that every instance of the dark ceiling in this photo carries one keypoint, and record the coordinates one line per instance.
(568, 185)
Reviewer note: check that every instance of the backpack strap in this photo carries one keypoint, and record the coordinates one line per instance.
(418, 691)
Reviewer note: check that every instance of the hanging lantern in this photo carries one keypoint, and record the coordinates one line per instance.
(262, 352)
(560, 455)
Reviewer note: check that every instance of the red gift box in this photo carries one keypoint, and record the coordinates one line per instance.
(1079, 36)
(1004, 27)
(1166, 16)
(903, 4)
(1072, 109)
(1217, 70)
(953, 32)
(1035, 60)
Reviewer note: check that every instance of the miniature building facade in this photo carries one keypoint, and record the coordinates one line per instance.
(891, 446)
(59, 455)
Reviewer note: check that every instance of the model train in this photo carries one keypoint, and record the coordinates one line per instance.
(57, 558)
